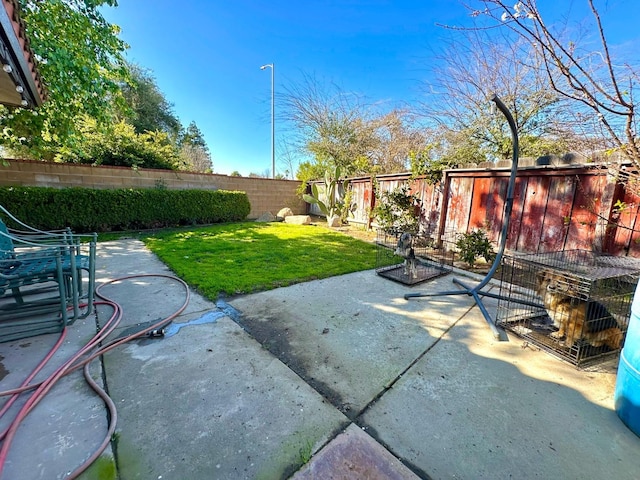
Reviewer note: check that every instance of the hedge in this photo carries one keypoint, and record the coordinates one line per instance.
(94, 210)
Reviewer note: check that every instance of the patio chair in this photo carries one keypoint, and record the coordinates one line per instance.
(84, 246)
(37, 261)
(29, 231)
(26, 306)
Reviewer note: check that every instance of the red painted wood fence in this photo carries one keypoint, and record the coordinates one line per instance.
(554, 208)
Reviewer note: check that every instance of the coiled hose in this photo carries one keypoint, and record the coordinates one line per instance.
(81, 359)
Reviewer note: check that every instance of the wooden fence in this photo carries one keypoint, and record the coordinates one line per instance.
(554, 208)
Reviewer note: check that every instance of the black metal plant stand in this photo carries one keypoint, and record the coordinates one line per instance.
(476, 292)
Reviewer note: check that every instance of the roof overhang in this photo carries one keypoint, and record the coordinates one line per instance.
(20, 83)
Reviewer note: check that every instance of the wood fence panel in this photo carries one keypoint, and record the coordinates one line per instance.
(626, 240)
(582, 229)
(487, 206)
(553, 208)
(608, 193)
(430, 199)
(517, 212)
(495, 207)
(362, 197)
(557, 213)
(459, 205)
(478, 214)
(535, 202)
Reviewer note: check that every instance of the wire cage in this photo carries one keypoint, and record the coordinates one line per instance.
(427, 260)
(574, 304)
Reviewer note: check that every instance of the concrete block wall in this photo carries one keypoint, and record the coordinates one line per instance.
(265, 194)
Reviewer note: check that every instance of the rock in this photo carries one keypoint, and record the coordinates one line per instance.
(298, 219)
(334, 221)
(284, 213)
(266, 217)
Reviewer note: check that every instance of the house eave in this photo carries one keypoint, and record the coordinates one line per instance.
(18, 67)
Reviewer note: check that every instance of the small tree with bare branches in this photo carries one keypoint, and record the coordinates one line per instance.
(601, 90)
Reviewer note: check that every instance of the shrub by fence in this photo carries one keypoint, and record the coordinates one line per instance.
(86, 209)
(265, 194)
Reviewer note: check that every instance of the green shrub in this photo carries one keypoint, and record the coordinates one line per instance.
(398, 211)
(473, 245)
(88, 210)
(118, 144)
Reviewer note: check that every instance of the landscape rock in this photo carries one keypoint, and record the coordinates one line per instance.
(334, 221)
(284, 213)
(266, 217)
(298, 219)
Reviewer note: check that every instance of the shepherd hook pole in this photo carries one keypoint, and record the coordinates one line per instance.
(476, 291)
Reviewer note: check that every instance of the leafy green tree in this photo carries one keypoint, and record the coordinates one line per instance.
(118, 144)
(149, 110)
(193, 136)
(194, 151)
(311, 170)
(80, 60)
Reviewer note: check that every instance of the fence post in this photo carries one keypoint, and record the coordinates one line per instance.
(442, 224)
(372, 203)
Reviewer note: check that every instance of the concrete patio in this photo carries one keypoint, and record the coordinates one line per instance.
(335, 378)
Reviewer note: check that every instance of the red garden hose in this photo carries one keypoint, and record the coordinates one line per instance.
(92, 350)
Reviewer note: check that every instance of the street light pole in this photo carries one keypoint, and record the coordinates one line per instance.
(273, 123)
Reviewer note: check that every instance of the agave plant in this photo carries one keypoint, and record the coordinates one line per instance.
(331, 206)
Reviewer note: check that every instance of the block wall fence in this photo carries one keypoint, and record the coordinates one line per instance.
(265, 194)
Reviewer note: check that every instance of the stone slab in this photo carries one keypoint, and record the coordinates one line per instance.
(354, 454)
(208, 402)
(298, 219)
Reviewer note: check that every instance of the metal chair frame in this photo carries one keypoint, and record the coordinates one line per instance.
(33, 262)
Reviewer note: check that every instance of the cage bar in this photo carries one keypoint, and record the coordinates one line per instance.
(574, 304)
(431, 260)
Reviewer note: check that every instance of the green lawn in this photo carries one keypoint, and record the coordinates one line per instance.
(231, 259)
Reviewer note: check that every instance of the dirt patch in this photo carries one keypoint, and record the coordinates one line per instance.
(352, 230)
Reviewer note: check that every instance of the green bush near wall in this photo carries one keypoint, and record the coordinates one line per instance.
(94, 210)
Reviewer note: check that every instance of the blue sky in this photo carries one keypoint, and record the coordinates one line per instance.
(206, 55)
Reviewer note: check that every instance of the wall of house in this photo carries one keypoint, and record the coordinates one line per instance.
(265, 194)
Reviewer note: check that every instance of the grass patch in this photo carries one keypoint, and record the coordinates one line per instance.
(238, 258)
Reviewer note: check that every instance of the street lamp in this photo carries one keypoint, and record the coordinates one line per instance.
(273, 123)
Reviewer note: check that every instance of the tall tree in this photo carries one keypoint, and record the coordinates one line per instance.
(118, 144)
(332, 126)
(193, 136)
(399, 138)
(194, 151)
(149, 110)
(80, 60)
(474, 65)
(341, 129)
